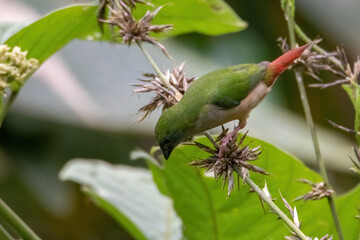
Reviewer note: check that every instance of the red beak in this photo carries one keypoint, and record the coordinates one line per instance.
(280, 64)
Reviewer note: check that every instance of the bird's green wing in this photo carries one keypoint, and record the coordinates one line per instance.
(234, 84)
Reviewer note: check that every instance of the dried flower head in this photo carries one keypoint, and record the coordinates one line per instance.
(14, 67)
(165, 95)
(352, 75)
(297, 223)
(135, 31)
(103, 4)
(311, 61)
(343, 69)
(318, 191)
(228, 155)
(356, 162)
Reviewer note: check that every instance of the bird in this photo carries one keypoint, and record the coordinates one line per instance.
(218, 97)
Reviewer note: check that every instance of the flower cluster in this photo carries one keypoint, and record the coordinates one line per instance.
(228, 155)
(129, 29)
(165, 96)
(14, 67)
(318, 191)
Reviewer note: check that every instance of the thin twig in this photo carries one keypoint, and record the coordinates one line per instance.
(272, 205)
(19, 225)
(310, 121)
(342, 127)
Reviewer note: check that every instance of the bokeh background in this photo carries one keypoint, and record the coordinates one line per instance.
(79, 104)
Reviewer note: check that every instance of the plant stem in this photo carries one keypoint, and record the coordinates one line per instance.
(9, 216)
(4, 234)
(290, 24)
(310, 121)
(4, 110)
(320, 161)
(273, 206)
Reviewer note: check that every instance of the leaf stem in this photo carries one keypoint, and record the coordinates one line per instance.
(4, 234)
(273, 206)
(310, 121)
(19, 225)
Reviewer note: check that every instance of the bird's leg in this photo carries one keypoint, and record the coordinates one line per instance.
(242, 124)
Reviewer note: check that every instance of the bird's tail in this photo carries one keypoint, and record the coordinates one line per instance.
(280, 64)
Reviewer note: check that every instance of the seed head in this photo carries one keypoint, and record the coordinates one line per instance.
(165, 96)
(227, 154)
(318, 191)
(135, 31)
(103, 4)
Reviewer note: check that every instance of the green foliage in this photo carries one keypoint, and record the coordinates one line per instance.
(354, 94)
(206, 213)
(211, 17)
(49, 34)
(8, 29)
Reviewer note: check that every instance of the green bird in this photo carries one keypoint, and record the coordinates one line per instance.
(218, 97)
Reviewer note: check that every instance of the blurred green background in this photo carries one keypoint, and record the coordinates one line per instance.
(79, 104)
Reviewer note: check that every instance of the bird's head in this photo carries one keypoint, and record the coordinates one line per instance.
(168, 133)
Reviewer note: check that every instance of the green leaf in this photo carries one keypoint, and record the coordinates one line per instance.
(211, 17)
(207, 214)
(8, 29)
(49, 34)
(127, 194)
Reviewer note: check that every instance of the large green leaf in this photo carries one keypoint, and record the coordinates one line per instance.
(46, 36)
(207, 214)
(212, 17)
(129, 195)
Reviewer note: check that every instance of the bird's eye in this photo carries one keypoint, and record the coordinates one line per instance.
(166, 141)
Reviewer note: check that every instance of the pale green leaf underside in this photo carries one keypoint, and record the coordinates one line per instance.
(129, 195)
